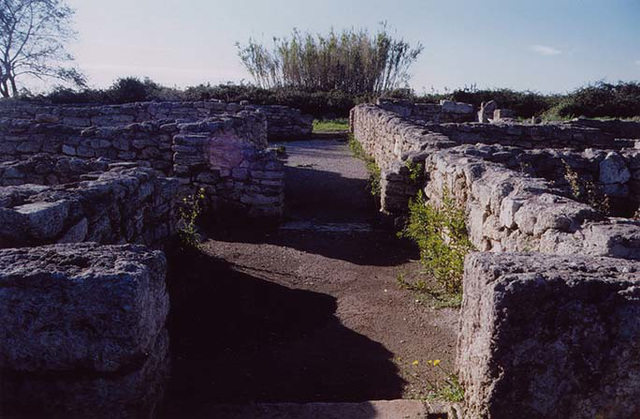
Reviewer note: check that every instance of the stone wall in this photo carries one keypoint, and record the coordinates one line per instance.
(393, 140)
(119, 205)
(445, 111)
(550, 337)
(284, 122)
(226, 155)
(82, 330)
(511, 211)
(551, 332)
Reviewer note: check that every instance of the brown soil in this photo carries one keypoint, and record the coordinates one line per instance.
(307, 311)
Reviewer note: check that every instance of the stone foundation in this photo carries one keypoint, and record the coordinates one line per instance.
(545, 337)
(120, 205)
(545, 334)
(284, 122)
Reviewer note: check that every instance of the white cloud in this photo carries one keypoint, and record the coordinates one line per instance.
(637, 63)
(545, 50)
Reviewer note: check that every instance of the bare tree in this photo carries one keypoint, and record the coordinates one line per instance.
(33, 34)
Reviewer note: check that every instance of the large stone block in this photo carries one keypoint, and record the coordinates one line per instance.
(550, 337)
(80, 307)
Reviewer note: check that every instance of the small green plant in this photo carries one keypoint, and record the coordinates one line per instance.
(585, 191)
(189, 211)
(331, 125)
(370, 163)
(449, 388)
(416, 170)
(446, 388)
(441, 235)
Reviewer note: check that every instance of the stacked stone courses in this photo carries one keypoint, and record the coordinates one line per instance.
(549, 320)
(83, 308)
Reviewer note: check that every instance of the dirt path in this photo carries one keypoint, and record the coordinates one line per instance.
(310, 311)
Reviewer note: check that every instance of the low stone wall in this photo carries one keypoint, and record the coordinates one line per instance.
(445, 111)
(226, 155)
(284, 122)
(82, 330)
(545, 334)
(510, 211)
(616, 127)
(550, 337)
(393, 141)
(551, 135)
(45, 169)
(121, 205)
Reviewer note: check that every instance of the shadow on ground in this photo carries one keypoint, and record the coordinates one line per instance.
(237, 339)
(322, 198)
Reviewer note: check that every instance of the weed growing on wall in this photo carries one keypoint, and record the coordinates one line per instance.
(442, 237)
(416, 170)
(189, 211)
(370, 163)
(586, 192)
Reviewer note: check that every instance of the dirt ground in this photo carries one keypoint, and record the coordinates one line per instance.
(308, 311)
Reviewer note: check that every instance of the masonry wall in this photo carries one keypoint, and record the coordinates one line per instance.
(510, 211)
(393, 140)
(284, 122)
(120, 205)
(443, 112)
(226, 155)
(549, 317)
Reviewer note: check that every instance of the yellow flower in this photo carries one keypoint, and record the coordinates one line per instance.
(436, 362)
(416, 362)
(430, 362)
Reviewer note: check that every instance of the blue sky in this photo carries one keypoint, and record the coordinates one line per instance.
(543, 45)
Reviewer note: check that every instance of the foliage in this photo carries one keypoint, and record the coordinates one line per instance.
(33, 34)
(600, 99)
(447, 388)
(353, 61)
(442, 237)
(416, 170)
(587, 192)
(189, 212)
(330, 125)
(370, 163)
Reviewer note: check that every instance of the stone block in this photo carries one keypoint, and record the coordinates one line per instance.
(80, 307)
(550, 337)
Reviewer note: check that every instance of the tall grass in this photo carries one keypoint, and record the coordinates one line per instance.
(353, 61)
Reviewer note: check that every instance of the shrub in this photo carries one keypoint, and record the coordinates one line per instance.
(442, 237)
(189, 212)
(352, 61)
(375, 179)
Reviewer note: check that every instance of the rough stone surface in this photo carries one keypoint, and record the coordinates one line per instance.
(80, 307)
(121, 205)
(549, 337)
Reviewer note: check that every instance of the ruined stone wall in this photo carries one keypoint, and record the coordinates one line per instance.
(393, 140)
(551, 332)
(551, 135)
(511, 211)
(545, 336)
(225, 154)
(117, 205)
(443, 112)
(283, 122)
(82, 331)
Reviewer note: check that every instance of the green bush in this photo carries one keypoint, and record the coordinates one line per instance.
(602, 99)
(441, 235)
